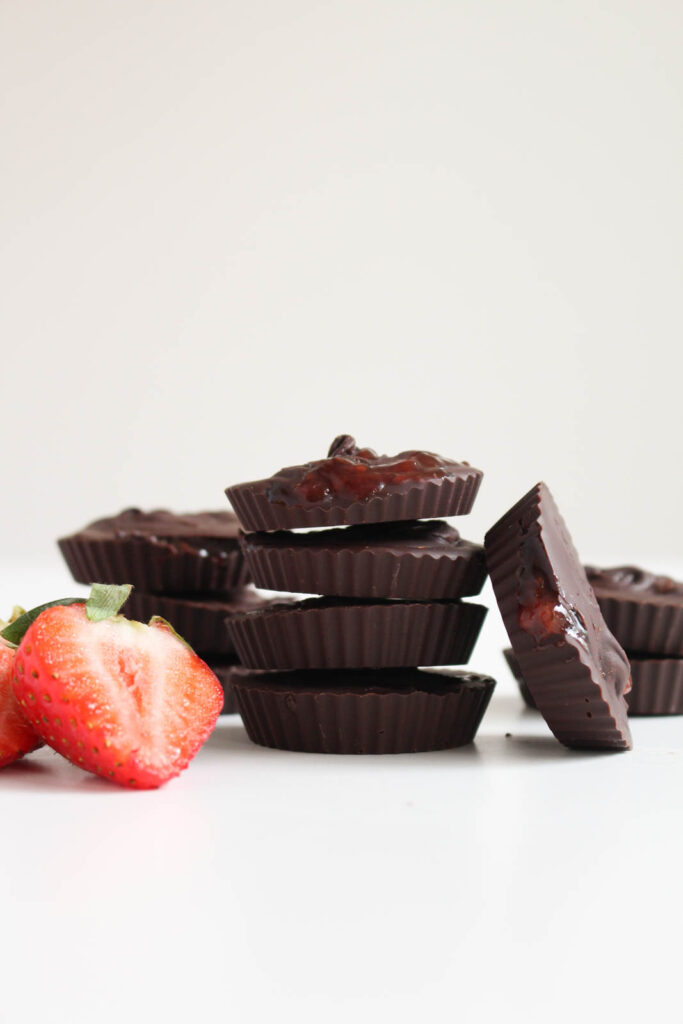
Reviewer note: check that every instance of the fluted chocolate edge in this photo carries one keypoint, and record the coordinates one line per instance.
(408, 721)
(370, 573)
(388, 635)
(431, 499)
(151, 567)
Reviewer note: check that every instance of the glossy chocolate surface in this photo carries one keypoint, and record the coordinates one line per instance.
(350, 474)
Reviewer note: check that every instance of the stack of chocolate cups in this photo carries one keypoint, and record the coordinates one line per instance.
(337, 673)
(187, 568)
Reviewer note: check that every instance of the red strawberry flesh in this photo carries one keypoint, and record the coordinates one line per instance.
(130, 702)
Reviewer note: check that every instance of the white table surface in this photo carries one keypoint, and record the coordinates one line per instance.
(512, 880)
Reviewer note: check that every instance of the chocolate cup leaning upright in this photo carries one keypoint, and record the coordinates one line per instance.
(365, 712)
(159, 551)
(201, 621)
(413, 561)
(644, 611)
(355, 485)
(330, 633)
(575, 670)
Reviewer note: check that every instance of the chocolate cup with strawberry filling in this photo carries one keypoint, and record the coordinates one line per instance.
(330, 633)
(355, 485)
(644, 611)
(400, 561)
(575, 670)
(201, 621)
(366, 712)
(159, 552)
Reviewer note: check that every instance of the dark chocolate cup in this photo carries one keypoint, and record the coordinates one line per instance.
(648, 625)
(513, 665)
(363, 712)
(563, 679)
(295, 564)
(325, 633)
(431, 499)
(154, 565)
(657, 686)
(201, 622)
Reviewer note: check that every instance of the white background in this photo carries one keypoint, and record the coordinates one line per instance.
(231, 231)
(228, 232)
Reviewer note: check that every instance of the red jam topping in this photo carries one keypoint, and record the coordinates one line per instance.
(356, 474)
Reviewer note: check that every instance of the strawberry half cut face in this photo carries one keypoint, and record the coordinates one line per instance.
(130, 702)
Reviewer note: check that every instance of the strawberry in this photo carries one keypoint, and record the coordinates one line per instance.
(130, 702)
(16, 735)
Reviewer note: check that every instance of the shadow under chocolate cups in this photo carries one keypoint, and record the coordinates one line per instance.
(576, 672)
(329, 633)
(159, 552)
(644, 611)
(355, 485)
(199, 621)
(381, 712)
(418, 561)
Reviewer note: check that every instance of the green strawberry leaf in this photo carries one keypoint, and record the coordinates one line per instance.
(14, 633)
(106, 599)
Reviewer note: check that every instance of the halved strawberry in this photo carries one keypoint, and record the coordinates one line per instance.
(17, 737)
(130, 702)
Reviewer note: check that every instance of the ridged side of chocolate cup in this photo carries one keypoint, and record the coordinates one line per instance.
(154, 567)
(513, 665)
(321, 634)
(657, 686)
(202, 623)
(431, 499)
(646, 626)
(370, 573)
(362, 720)
(573, 704)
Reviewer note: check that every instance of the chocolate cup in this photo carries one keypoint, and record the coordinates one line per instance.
(431, 499)
(422, 561)
(157, 566)
(657, 686)
(327, 633)
(159, 551)
(513, 665)
(647, 624)
(575, 670)
(199, 621)
(394, 712)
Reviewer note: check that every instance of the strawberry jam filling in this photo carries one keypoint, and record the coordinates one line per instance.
(350, 473)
